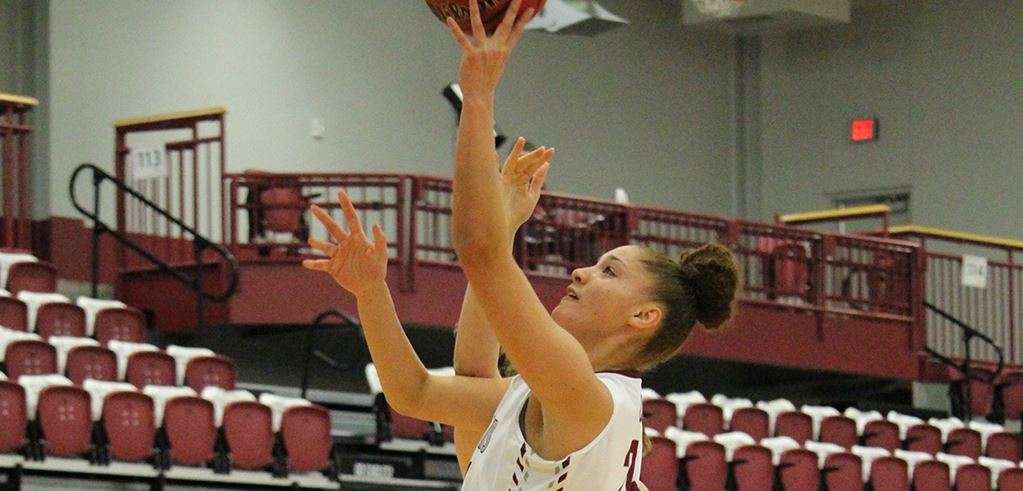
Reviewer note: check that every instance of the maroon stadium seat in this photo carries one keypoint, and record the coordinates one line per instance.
(248, 430)
(923, 438)
(752, 421)
(931, 474)
(982, 391)
(798, 470)
(973, 477)
(882, 434)
(964, 441)
(30, 357)
(126, 324)
(1010, 479)
(13, 416)
(60, 319)
(129, 423)
(13, 314)
(1004, 446)
(204, 371)
(889, 474)
(795, 425)
(753, 468)
(705, 418)
(305, 431)
(705, 466)
(843, 472)
(32, 276)
(188, 422)
(660, 467)
(659, 414)
(91, 362)
(65, 420)
(1009, 394)
(150, 368)
(406, 426)
(839, 430)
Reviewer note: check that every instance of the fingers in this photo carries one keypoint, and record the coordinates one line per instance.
(379, 240)
(351, 216)
(536, 184)
(319, 245)
(332, 227)
(316, 264)
(508, 22)
(459, 36)
(533, 160)
(511, 163)
(520, 27)
(477, 22)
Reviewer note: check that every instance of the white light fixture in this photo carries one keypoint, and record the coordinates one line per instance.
(582, 17)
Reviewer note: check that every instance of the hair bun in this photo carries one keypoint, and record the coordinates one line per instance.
(712, 275)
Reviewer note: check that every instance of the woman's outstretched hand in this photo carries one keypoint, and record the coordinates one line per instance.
(522, 180)
(355, 263)
(483, 57)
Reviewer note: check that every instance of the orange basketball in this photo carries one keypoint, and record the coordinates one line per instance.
(491, 11)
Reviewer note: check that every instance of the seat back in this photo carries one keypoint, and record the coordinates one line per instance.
(964, 441)
(129, 423)
(973, 477)
(881, 434)
(752, 421)
(305, 431)
(204, 371)
(91, 362)
(1010, 479)
(191, 433)
(65, 420)
(705, 418)
(659, 470)
(32, 277)
(13, 314)
(795, 425)
(60, 319)
(753, 468)
(889, 474)
(843, 471)
(122, 324)
(30, 357)
(931, 474)
(705, 466)
(798, 470)
(150, 368)
(659, 414)
(13, 416)
(248, 429)
(839, 430)
(923, 438)
(1003, 446)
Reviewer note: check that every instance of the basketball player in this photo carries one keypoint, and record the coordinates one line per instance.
(572, 419)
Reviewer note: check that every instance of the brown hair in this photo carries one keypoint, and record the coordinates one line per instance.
(699, 288)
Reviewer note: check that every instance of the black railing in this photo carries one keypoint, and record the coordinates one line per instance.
(199, 243)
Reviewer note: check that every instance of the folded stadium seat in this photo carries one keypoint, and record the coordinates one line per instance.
(648, 394)
(705, 418)
(954, 462)
(29, 357)
(35, 300)
(778, 445)
(150, 368)
(659, 471)
(1010, 479)
(972, 477)
(8, 259)
(798, 471)
(985, 430)
(305, 431)
(982, 391)
(278, 406)
(912, 459)
(124, 350)
(997, 467)
(1003, 445)
(923, 438)
(682, 400)
(840, 470)
(730, 406)
(752, 421)
(1008, 394)
(705, 466)
(182, 355)
(248, 432)
(13, 417)
(839, 430)
(205, 371)
(817, 415)
(889, 474)
(659, 414)
(187, 425)
(752, 468)
(683, 438)
(65, 422)
(795, 425)
(125, 324)
(64, 344)
(31, 277)
(881, 433)
(60, 319)
(904, 422)
(98, 391)
(8, 336)
(823, 450)
(391, 423)
(773, 409)
(92, 306)
(931, 474)
(731, 441)
(964, 441)
(130, 427)
(13, 313)
(91, 362)
(867, 456)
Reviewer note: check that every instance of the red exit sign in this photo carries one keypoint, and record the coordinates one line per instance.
(863, 130)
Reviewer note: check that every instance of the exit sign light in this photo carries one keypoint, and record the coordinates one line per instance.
(863, 130)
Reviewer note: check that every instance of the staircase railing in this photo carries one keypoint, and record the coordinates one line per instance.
(200, 244)
(964, 367)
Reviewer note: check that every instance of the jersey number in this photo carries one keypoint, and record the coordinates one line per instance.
(630, 462)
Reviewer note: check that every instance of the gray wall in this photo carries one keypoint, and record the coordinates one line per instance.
(646, 107)
(945, 77)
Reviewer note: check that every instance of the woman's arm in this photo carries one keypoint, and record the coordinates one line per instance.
(575, 403)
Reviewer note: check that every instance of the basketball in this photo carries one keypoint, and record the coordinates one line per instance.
(491, 11)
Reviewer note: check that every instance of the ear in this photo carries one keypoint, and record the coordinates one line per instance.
(646, 316)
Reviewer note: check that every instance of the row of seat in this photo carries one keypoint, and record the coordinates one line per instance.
(53, 314)
(692, 412)
(997, 397)
(165, 425)
(139, 364)
(735, 460)
(391, 424)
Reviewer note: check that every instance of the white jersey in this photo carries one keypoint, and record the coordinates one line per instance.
(611, 461)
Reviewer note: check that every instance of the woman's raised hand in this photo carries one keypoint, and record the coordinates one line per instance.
(522, 180)
(483, 57)
(355, 263)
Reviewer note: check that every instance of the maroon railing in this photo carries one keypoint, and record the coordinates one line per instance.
(15, 132)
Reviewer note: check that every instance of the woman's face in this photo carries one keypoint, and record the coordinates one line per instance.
(606, 295)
